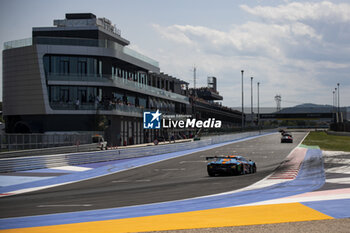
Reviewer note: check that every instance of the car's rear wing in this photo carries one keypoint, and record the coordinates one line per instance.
(219, 157)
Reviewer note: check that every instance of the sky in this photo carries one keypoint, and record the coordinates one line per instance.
(297, 49)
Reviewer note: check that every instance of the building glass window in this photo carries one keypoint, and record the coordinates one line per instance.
(82, 67)
(131, 100)
(69, 94)
(63, 67)
(72, 65)
(47, 66)
(142, 102)
(82, 94)
(64, 95)
(80, 64)
(100, 68)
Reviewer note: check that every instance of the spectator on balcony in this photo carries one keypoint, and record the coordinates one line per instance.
(105, 102)
(125, 100)
(111, 104)
(97, 102)
(77, 103)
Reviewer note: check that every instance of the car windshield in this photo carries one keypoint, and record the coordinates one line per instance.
(95, 139)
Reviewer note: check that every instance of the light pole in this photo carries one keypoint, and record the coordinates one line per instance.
(258, 107)
(242, 71)
(338, 100)
(251, 98)
(335, 105)
(335, 98)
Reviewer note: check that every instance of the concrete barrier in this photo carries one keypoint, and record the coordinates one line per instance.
(50, 151)
(47, 161)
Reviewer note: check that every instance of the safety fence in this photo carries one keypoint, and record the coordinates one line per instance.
(46, 161)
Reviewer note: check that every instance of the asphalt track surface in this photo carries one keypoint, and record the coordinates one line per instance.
(173, 179)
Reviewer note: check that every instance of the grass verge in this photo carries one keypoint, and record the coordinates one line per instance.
(328, 142)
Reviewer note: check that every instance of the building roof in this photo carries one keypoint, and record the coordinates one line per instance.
(82, 22)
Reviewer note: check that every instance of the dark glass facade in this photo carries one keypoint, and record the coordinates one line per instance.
(75, 65)
(72, 68)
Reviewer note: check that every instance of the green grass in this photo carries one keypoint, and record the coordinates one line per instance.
(328, 142)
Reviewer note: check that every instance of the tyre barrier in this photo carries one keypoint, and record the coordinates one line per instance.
(47, 161)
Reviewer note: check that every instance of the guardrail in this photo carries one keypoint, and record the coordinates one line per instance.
(17, 142)
(50, 151)
(338, 133)
(46, 161)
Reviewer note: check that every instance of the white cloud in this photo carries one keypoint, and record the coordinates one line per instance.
(300, 29)
(173, 33)
(297, 11)
(291, 51)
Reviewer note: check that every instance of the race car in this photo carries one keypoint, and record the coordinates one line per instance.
(286, 137)
(100, 142)
(230, 165)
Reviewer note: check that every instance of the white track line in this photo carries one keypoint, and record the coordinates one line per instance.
(326, 195)
(72, 168)
(345, 180)
(340, 170)
(63, 205)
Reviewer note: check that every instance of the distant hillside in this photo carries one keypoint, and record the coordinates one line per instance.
(309, 108)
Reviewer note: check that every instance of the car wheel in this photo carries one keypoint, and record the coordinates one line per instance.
(254, 168)
(242, 169)
(210, 173)
(238, 170)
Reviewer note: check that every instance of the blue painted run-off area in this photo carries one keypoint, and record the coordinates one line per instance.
(334, 208)
(310, 177)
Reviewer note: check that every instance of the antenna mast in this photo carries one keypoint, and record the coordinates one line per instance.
(194, 76)
(278, 100)
(194, 80)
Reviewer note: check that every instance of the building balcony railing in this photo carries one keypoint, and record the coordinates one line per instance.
(78, 77)
(127, 109)
(117, 108)
(120, 83)
(203, 103)
(79, 42)
(18, 43)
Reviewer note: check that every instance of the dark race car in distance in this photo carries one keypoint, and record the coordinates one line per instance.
(286, 137)
(230, 165)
